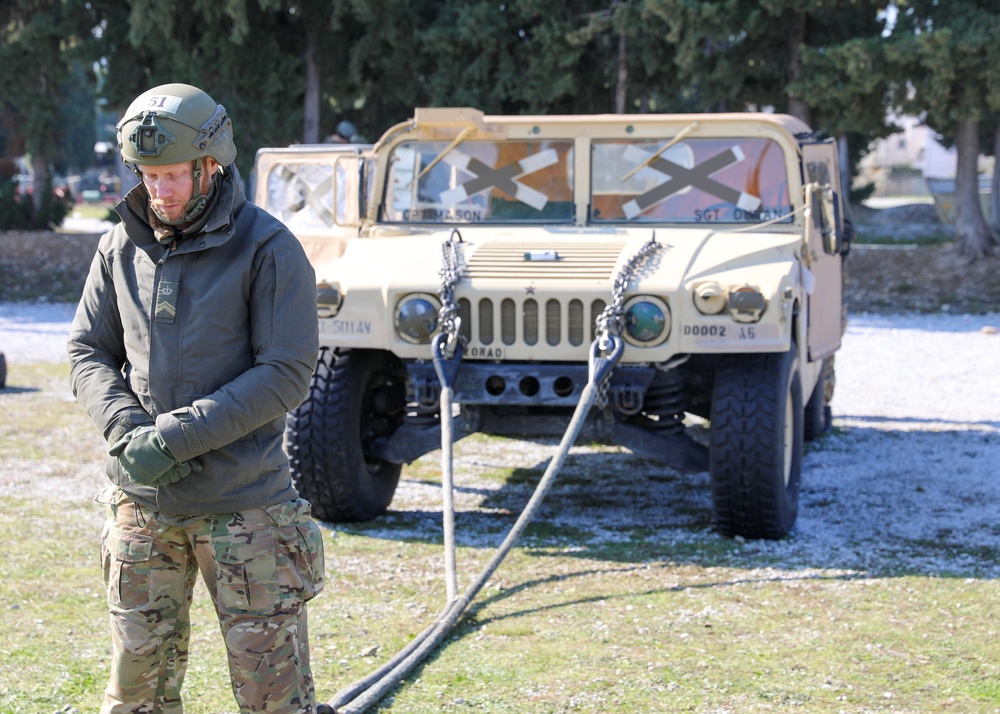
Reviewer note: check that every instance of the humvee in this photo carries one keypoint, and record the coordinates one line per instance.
(712, 244)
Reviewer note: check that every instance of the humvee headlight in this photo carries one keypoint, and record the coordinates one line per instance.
(709, 298)
(746, 304)
(647, 320)
(417, 318)
(328, 298)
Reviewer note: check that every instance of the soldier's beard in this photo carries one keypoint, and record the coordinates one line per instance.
(191, 211)
(161, 213)
(204, 183)
(166, 231)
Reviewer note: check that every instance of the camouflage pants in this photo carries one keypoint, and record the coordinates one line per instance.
(260, 566)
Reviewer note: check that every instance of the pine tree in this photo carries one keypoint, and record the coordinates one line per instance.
(947, 56)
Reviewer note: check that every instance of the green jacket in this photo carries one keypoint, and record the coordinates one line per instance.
(213, 340)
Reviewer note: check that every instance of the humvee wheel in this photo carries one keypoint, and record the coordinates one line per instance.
(818, 415)
(3, 371)
(356, 396)
(755, 445)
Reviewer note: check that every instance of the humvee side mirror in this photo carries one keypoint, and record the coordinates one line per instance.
(826, 216)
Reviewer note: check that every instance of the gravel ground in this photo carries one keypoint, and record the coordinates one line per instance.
(34, 332)
(907, 481)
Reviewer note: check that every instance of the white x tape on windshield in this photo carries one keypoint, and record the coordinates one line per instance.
(504, 178)
(683, 178)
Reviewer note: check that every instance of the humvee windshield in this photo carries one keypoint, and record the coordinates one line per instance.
(693, 181)
(738, 180)
(480, 182)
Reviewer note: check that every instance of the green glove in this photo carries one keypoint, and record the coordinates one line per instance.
(176, 472)
(146, 459)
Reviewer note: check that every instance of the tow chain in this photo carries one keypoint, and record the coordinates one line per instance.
(447, 348)
(451, 273)
(611, 322)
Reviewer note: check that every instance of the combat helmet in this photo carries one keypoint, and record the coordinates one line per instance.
(346, 130)
(174, 123)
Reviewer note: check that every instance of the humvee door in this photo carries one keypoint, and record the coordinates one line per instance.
(825, 229)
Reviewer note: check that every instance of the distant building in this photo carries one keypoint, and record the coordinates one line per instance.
(900, 163)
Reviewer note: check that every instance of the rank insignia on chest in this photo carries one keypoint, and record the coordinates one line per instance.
(166, 302)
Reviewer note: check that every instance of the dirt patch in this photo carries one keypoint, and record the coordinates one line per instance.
(904, 261)
(893, 279)
(44, 265)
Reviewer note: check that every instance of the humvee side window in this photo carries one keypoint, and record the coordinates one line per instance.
(736, 180)
(301, 195)
(480, 182)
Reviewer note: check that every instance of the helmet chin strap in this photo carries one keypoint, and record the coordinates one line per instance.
(198, 200)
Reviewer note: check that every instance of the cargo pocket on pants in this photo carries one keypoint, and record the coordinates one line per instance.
(247, 573)
(299, 548)
(127, 563)
(300, 559)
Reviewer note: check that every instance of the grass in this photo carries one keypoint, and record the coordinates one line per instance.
(554, 633)
(566, 624)
(42, 421)
(870, 235)
(100, 211)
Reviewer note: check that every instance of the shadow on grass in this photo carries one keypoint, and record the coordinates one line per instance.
(18, 390)
(875, 497)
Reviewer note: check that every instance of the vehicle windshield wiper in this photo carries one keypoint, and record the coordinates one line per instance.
(656, 154)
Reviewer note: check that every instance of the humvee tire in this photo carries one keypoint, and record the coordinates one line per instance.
(355, 397)
(755, 453)
(3, 371)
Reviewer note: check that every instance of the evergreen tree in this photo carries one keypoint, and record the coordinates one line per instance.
(78, 112)
(735, 55)
(529, 56)
(35, 38)
(242, 53)
(289, 70)
(629, 41)
(947, 57)
(995, 182)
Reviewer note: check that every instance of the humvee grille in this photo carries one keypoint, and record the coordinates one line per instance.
(486, 322)
(575, 323)
(465, 316)
(531, 322)
(575, 329)
(525, 321)
(552, 320)
(508, 321)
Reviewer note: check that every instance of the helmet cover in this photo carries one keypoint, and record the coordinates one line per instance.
(346, 130)
(174, 123)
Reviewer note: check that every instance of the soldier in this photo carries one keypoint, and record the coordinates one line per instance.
(345, 133)
(195, 335)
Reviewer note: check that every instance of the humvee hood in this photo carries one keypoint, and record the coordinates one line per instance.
(722, 251)
(552, 255)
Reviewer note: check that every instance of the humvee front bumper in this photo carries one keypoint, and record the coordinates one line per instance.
(515, 399)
